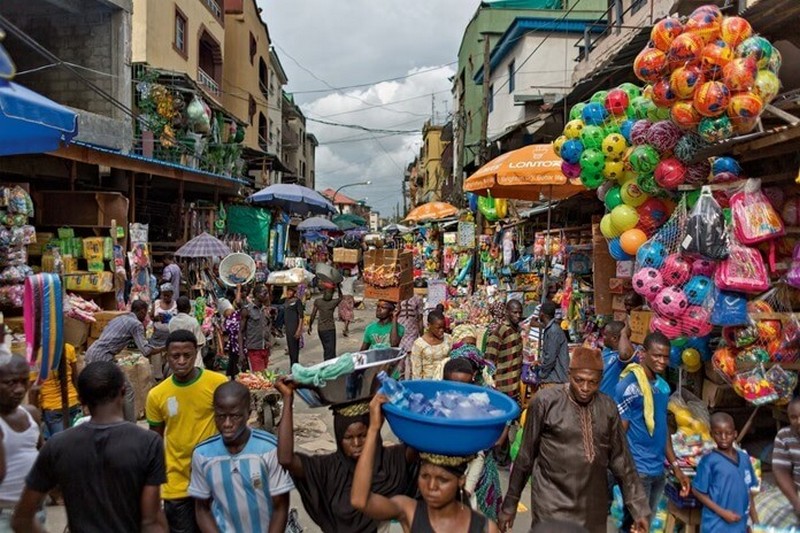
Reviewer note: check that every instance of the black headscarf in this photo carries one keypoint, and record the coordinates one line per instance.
(325, 488)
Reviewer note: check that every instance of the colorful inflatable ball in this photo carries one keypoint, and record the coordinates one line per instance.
(592, 161)
(758, 48)
(766, 85)
(571, 151)
(715, 56)
(662, 93)
(630, 241)
(594, 114)
(639, 131)
(607, 227)
(574, 128)
(612, 199)
(647, 282)
(663, 136)
(644, 159)
(650, 64)
(671, 302)
(740, 74)
(735, 30)
(591, 180)
(712, 98)
(670, 327)
(632, 195)
(705, 23)
(613, 170)
(685, 80)
(715, 129)
(592, 136)
(745, 106)
(617, 102)
(670, 173)
(684, 115)
(624, 217)
(570, 170)
(558, 143)
(651, 255)
(576, 111)
(614, 147)
(664, 32)
(616, 251)
(684, 50)
(676, 270)
(691, 360)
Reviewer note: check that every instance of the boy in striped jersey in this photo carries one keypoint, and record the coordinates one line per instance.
(236, 480)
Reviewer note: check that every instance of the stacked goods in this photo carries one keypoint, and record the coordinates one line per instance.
(346, 256)
(137, 369)
(388, 275)
(257, 381)
(15, 235)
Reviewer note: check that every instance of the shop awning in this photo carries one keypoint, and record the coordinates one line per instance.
(31, 123)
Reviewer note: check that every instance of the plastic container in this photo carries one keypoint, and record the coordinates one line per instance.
(236, 269)
(447, 436)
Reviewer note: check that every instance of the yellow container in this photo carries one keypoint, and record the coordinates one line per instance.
(93, 249)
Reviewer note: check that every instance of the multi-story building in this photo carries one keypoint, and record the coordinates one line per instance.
(93, 36)
(295, 143)
(433, 174)
(530, 72)
(311, 160)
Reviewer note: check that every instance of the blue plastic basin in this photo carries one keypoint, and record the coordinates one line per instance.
(447, 436)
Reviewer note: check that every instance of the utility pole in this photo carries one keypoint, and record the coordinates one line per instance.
(433, 110)
(484, 151)
(405, 199)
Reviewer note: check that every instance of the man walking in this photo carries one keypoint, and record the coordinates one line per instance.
(180, 409)
(554, 360)
(254, 330)
(256, 502)
(110, 471)
(116, 336)
(504, 349)
(572, 435)
(642, 396)
(172, 273)
(385, 332)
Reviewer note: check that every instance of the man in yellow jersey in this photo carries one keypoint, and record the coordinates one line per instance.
(47, 396)
(181, 409)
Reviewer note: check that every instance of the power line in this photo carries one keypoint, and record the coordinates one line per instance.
(358, 85)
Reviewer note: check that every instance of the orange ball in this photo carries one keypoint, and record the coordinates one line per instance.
(716, 55)
(650, 64)
(712, 98)
(744, 106)
(685, 80)
(631, 240)
(740, 74)
(662, 93)
(664, 32)
(685, 115)
(734, 30)
(705, 22)
(685, 50)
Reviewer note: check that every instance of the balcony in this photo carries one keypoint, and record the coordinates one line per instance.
(208, 83)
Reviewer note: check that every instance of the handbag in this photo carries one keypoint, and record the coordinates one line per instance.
(743, 271)
(730, 309)
(754, 218)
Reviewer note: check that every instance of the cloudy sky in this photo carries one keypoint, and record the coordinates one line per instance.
(342, 43)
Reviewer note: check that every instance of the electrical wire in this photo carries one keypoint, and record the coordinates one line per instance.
(359, 85)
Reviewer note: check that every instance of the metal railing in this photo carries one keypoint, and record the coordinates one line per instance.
(611, 20)
(207, 82)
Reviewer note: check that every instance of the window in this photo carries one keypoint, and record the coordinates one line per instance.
(180, 32)
(252, 48)
(251, 108)
(511, 77)
(491, 98)
(263, 131)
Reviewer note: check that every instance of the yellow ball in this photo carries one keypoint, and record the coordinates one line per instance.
(607, 228)
(691, 358)
(613, 170)
(573, 129)
(560, 140)
(614, 147)
(632, 195)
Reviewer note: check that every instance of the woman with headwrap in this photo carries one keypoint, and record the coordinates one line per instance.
(324, 481)
(444, 505)
(464, 339)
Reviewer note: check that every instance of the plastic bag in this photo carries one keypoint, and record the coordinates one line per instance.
(691, 413)
(754, 218)
(783, 381)
(730, 309)
(743, 271)
(793, 276)
(754, 387)
(705, 229)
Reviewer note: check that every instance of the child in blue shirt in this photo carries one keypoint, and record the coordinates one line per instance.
(725, 481)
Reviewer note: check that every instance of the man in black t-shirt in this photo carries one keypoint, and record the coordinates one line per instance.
(109, 470)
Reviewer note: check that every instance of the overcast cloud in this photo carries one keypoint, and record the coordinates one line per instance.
(350, 42)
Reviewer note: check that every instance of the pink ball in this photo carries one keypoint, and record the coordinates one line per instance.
(639, 131)
(703, 267)
(671, 302)
(698, 173)
(696, 321)
(570, 170)
(670, 173)
(648, 282)
(668, 326)
(676, 270)
(664, 135)
(724, 177)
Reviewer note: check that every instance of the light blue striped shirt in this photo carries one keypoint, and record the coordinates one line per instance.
(242, 485)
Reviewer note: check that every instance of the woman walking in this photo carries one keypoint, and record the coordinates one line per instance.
(293, 313)
(430, 349)
(348, 302)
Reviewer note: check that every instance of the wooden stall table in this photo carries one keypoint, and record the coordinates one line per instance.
(689, 518)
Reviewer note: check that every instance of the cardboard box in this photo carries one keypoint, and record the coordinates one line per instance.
(102, 319)
(75, 331)
(390, 294)
(393, 261)
(619, 285)
(346, 255)
(90, 281)
(618, 302)
(640, 325)
(719, 396)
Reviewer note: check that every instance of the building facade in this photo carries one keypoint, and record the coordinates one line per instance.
(433, 173)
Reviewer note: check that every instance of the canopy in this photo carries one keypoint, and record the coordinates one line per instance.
(293, 199)
(396, 228)
(355, 220)
(204, 245)
(317, 224)
(529, 173)
(31, 123)
(432, 211)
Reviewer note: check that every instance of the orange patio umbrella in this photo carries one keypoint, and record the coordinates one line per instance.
(431, 211)
(529, 173)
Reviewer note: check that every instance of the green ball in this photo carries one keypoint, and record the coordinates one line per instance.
(680, 341)
(576, 111)
(590, 180)
(647, 183)
(610, 128)
(592, 162)
(644, 159)
(592, 137)
(656, 114)
(599, 97)
(692, 197)
(613, 197)
(631, 89)
(641, 106)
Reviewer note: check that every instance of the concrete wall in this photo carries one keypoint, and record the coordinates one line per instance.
(275, 111)
(550, 66)
(433, 173)
(96, 37)
(154, 34)
(241, 76)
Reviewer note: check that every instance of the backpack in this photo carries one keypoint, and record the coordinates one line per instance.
(705, 229)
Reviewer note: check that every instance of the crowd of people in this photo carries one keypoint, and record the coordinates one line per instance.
(596, 419)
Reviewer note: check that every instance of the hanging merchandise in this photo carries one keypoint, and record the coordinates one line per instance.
(705, 229)
(44, 322)
(139, 262)
(742, 271)
(754, 218)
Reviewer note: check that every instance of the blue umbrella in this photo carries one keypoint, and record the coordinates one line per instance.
(31, 123)
(317, 224)
(293, 199)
